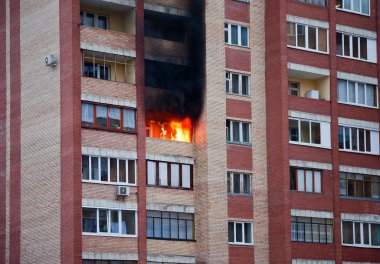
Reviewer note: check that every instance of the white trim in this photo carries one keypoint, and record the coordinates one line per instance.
(170, 158)
(356, 31)
(109, 256)
(350, 262)
(243, 233)
(309, 116)
(310, 164)
(367, 171)
(178, 208)
(370, 218)
(171, 258)
(106, 49)
(166, 9)
(357, 78)
(109, 153)
(107, 204)
(310, 213)
(358, 123)
(312, 261)
(307, 21)
(131, 3)
(306, 68)
(107, 100)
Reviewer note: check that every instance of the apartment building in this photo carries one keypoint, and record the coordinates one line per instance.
(189, 131)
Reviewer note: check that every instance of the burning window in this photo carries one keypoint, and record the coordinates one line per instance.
(174, 129)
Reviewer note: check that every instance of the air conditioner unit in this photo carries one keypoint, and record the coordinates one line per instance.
(50, 60)
(122, 190)
(312, 94)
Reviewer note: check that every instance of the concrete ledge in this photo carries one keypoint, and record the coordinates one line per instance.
(110, 50)
(106, 100)
(309, 213)
(109, 256)
(358, 123)
(309, 116)
(166, 9)
(171, 259)
(312, 261)
(350, 169)
(309, 69)
(310, 164)
(357, 78)
(171, 208)
(169, 158)
(111, 153)
(356, 31)
(361, 217)
(107, 204)
(307, 21)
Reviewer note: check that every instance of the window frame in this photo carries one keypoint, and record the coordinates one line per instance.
(229, 83)
(296, 169)
(295, 220)
(345, 149)
(230, 135)
(361, 245)
(355, 12)
(357, 92)
(178, 219)
(306, 48)
(297, 89)
(351, 36)
(299, 142)
(307, 2)
(96, 20)
(345, 177)
(229, 34)
(109, 233)
(169, 177)
(118, 182)
(230, 184)
(108, 127)
(243, 233)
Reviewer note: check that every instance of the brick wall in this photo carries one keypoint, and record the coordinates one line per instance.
(109, 89)
(181, 248)
(106, 139)
(109, 244)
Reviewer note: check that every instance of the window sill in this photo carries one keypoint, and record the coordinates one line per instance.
(241, 244)
(321, 243)
(361, 246)
(108, 235)
(310, 50)
(358, 152)
(309, 145)
(240, 96)
(168, 239)
(239, 143)
(301, 192)
(357, 59)
(110, 183)
(170, 188)
(358, 105)
(237, 46)
(243, 1)
(353, 12)
(110, 129)
(360, 198)
(240, 195)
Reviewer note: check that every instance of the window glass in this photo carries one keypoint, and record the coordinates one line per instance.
(244, 36)
(361, 140)
(239, 232)
(365, 233)
(114, 117)
(357, 233)
(356, 5)
(368, 140)
(231, 232)
(301, 180)
(234, 35)
(236, 183)
(129, 119)
(351, 92)
(370, 95)
(341, 137)
(354, 138)
(122, 170)
(322, 39)
(339, 43)
(248, 233)
(361, 93)
(236, 131)
(346, 40)
(315, 133)
(131, 171)
(293, 130)
(113, 170)
(103, 169)
(301, 37)
(309, 181)
(317, 182)
(347, 4)
(89, 220)
(245, 132)
(365, 7)
(101, 116)
(94, 168)
(355, 47)
(87, 114)
(293, 179)
(235, 83)
(174, 175)
(102, 22)
(89, 20)
(186, 176)
(114, 221)
(103, 225)
(163, 173)
(342, 91)
(347, 141)
(348, 234)
(375, 234)
(244, 85)
(312, 38)
(363, 48)
(291, 33)
(247, 183)
(85, 167)
(128, 222)
(151, 173)
(305, 132)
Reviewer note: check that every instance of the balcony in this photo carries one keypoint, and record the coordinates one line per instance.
(155, 47)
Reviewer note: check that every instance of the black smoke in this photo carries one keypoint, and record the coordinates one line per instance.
(176, 89)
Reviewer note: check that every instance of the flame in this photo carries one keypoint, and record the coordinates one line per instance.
(178, 130)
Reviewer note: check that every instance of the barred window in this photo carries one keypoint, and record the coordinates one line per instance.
(312, 230)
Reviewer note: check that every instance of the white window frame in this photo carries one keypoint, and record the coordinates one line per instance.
(96, 19)
(299, 142)
(243, 233)
(351, 56)
(109, 173)
(356, 94)
(108, 233)
(361, 234)
(231, 135)
(373, 146)
(229, 89)
(231, 177)
(306, 48)
(353, 11)
(229, 32)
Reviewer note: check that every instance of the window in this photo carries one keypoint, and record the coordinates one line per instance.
(358, 140)
(236, 35)
(294, 88)
(108, 117)
(108, 170)
(167, 174)
(170, 225)
(93, 20)
(355, 6)
(359, 185)
(312, 230)
(237, 83)
(360, 234)
(305, 180)
(238, 132)
(240, 233)
(357, 93)
(108, 222)
(238, 183)
(303, 131)
(356, 47)
(314, 2)
(307, 37)
(96, 70)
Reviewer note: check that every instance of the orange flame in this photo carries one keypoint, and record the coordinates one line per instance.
(174, 130)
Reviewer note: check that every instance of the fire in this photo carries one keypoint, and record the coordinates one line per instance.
(178, 130)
